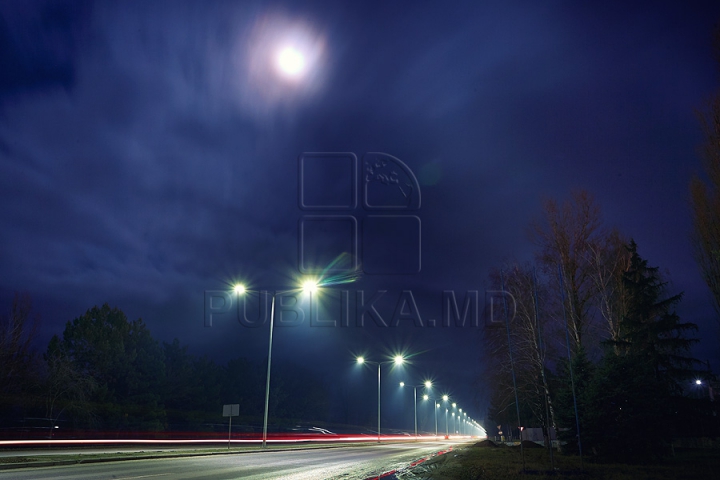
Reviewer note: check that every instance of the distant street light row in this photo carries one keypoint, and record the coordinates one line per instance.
(311, 286)
(465, 425)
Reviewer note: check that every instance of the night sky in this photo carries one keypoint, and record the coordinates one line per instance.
(149, 153)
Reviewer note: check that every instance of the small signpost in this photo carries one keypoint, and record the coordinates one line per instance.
(231, 411)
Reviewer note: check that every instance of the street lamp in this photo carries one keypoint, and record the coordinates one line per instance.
(309, 286)
(435, 409)
(447, 432)
(427, 384)
(445, 398)
(397, 360)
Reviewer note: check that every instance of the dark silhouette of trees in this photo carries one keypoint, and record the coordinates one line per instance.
(629, 349)
(19, 372)
(125, 361)
(627, 403)
(567, 239)
(705, 200)
(66, 390)
(650, 330)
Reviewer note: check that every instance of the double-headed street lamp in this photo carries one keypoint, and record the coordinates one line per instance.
(308, 286)
(397, 360)
(427, 384)
(435, 408)
(447, 432)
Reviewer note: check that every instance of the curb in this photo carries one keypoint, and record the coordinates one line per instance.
(391, 473)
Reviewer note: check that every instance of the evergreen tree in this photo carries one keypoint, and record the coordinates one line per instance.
(650, 330)
(583, 374)
(125, 361)
(628, 409)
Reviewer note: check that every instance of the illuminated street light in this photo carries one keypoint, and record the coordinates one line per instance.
(435, 409)
(427, 384)
(436, 401)
(445, 399)
(308, 286)
(397, 360)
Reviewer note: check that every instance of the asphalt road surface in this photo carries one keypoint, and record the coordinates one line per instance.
(355, 462)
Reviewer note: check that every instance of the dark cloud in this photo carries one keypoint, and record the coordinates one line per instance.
(148, 153)
(38, 44)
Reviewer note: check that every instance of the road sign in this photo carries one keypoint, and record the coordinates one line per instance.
(231, 410)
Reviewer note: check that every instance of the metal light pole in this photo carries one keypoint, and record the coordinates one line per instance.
(398, 360)
(427, 384)
(447, 433)
(435, 409)
(308, 286)
(445, 399)
(378, 365)
(269, 363)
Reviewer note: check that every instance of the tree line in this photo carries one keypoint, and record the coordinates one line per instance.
(108, 374)
(596, 343)
(599, 353)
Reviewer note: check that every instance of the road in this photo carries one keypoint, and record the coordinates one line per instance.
(354, 462)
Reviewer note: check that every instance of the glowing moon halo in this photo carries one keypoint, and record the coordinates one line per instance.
(291, 62)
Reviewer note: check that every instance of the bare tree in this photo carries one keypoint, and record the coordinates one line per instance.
(705, 199)
(609, 259)
(566, 239)
(66, 389)
(17, 361)
(529, 347)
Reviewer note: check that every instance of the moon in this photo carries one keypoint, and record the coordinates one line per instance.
(291, 62)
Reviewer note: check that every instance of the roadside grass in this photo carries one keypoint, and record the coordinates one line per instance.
(487, 462)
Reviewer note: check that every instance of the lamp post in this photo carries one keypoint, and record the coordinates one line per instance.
(309, 286)
(427, 384)
(397, 360)
(447, 433)
(435, 409)
(454, 406)
(445, 399)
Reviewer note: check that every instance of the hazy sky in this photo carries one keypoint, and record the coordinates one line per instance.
(151, 152)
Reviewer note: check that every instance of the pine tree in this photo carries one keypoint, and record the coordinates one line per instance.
(651, 331)
(634, 395)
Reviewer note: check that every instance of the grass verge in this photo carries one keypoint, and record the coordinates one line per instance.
(486, 461)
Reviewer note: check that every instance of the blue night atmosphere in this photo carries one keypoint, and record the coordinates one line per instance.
(440, 182)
